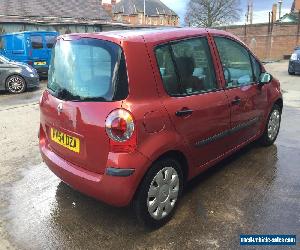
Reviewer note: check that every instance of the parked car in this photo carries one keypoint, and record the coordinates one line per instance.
(131, 116)
(16, 77)
(294, 64)
(30, 47)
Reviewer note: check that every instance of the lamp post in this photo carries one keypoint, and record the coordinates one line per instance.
(280, 8)
(144, 12)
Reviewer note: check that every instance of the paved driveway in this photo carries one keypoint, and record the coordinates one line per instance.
(255, 191)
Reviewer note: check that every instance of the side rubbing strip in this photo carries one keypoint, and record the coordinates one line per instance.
(227, 132)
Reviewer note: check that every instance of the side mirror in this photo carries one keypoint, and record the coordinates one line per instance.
(265, 78)
(163, 71)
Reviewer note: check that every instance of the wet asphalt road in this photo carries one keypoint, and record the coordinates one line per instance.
(256, 191)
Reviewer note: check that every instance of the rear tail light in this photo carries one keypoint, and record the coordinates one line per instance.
(30, 63)
(120, 129)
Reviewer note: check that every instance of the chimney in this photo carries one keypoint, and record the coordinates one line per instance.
(280, 8)
(297, 5)
(274, 11)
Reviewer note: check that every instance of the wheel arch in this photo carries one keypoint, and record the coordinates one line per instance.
(279, 102)
(180, 157)
(174, 154)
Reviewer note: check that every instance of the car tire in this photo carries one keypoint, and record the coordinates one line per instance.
(15, 84)
(157, 197)
(291, 73)
(272, 127)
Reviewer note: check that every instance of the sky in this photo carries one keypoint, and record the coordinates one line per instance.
(261, 8)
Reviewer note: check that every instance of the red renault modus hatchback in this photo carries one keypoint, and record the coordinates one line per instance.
(130, 116)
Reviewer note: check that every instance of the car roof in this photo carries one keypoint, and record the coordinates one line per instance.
(151, 35)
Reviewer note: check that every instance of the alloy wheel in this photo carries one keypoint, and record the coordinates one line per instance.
(274, 124)
(15, 84)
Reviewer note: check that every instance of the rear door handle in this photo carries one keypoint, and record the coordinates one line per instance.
(184, 112)
(236, 101)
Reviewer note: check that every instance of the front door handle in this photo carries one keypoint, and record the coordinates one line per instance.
(184, 112)
(236, 101)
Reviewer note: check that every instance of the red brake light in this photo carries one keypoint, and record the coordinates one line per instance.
(30, 63)
(120, 128)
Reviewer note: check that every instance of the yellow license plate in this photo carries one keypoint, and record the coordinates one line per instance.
(40, 63)
(69, 142)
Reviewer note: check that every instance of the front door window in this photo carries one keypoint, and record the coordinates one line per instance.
(236, 63)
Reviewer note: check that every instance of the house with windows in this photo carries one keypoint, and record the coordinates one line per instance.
(52, 15)
(154, 12)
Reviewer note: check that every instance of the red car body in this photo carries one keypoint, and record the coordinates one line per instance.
(216, 128)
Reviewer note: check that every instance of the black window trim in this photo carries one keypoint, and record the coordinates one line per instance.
(169, 44)
(258, 62)
(249, 53)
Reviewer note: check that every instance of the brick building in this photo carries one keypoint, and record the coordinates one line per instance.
(132, 11)
(60, 15)
(296, 6)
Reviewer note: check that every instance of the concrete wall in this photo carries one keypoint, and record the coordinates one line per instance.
(273, 45)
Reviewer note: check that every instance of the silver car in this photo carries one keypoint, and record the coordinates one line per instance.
(16, 77)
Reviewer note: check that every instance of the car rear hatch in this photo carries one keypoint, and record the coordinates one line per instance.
(85, 86)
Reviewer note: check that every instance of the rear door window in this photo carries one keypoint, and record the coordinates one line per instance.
(237, 66)
(186, 67)
(36, 42)
(167, 70)
(88, 69)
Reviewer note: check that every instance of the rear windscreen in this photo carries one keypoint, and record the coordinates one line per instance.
(88, 69)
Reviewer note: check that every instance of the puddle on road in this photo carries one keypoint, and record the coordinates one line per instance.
(44, 212)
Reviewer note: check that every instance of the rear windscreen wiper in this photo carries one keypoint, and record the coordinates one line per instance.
(93, 99)
(66, 95)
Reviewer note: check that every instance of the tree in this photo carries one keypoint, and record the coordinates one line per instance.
(209, 13)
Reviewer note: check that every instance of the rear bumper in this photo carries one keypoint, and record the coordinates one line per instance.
(108, 187)
(42, 71)
(294, 66)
